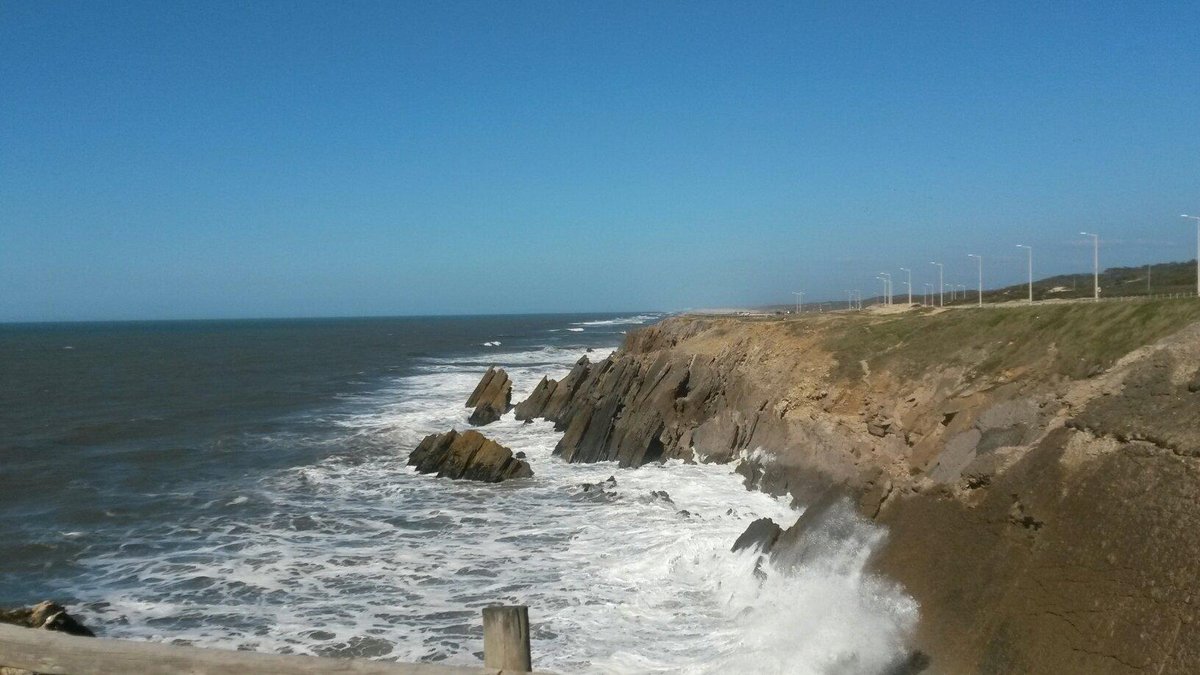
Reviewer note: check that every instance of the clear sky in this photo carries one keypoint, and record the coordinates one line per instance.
(208, 159)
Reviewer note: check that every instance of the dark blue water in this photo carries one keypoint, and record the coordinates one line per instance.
(100, 421)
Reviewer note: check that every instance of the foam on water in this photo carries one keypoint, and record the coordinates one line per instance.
(358, 555)
(620, 321)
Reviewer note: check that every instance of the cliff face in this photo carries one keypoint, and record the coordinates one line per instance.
(1038, 468)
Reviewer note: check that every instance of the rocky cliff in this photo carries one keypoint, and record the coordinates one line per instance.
(1038, 468)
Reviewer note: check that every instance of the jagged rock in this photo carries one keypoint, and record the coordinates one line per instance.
(534, 406)
(603, 485)
(661, 495)
(761, 535)
(825, 525)
(47, 616)
(492, 397)
(469, 456)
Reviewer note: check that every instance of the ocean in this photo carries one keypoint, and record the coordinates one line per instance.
(243, 485)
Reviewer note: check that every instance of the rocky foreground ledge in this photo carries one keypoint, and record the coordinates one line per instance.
(1038, 468)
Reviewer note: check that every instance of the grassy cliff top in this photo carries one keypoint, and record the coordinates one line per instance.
(1072, 339)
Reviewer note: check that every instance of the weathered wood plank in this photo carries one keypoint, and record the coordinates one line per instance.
(506, 638)
(59, 654)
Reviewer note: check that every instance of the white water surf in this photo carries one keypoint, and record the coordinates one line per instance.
(361, 556)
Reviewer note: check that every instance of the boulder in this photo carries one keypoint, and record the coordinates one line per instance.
(492, 397)
(467, 456)
(47, 616)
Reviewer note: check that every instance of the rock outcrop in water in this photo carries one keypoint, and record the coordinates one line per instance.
(492, 397)
(1038, 472)
(46, 616)
(467, 456)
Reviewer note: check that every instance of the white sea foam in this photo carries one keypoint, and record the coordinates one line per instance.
(360, 555)
(620, 321)
(575, 330)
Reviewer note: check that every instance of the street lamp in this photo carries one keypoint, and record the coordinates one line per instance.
(887, 291)
(1197, 219)
(928, 292)
(909, 284)
(980, 259)
(799, 300)
(885, 288)
(1095, 265)
(941, 286)
(1030, 250)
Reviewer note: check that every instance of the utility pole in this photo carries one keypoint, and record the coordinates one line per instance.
(1095, 265)
(799, 301)
(1197, 219)
(1030, 250)
(941, 286)
(980, 259)
(909, 284)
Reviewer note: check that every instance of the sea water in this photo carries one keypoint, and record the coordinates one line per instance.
(244, 485)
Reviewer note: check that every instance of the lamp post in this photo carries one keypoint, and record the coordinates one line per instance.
(887, 291)
(1095, 265)
(1197, 219)
(941, 286)
(980, 259)
(928, 292)
(1029, 249)
(799, 300)
(908, 283)
(885, 288)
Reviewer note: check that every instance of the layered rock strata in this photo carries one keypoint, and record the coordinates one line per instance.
(492, 397)
(467, 456)
(1037, 469)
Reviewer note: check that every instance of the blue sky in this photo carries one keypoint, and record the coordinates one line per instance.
(179, 160)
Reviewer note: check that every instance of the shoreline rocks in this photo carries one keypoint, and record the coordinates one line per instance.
(467, 456)
(45, 615)
(492, 397)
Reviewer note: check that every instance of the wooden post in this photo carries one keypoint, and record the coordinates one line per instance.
(506, 638)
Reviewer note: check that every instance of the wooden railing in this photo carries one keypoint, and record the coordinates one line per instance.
(506, 650)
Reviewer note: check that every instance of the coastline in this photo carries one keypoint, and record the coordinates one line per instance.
(1022, 472)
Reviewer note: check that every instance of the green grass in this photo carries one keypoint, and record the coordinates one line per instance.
(1071, 339)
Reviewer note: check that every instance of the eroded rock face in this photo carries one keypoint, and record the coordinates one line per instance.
(492, 397)
(47, 616)
(1044, 521)
(467, 456)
